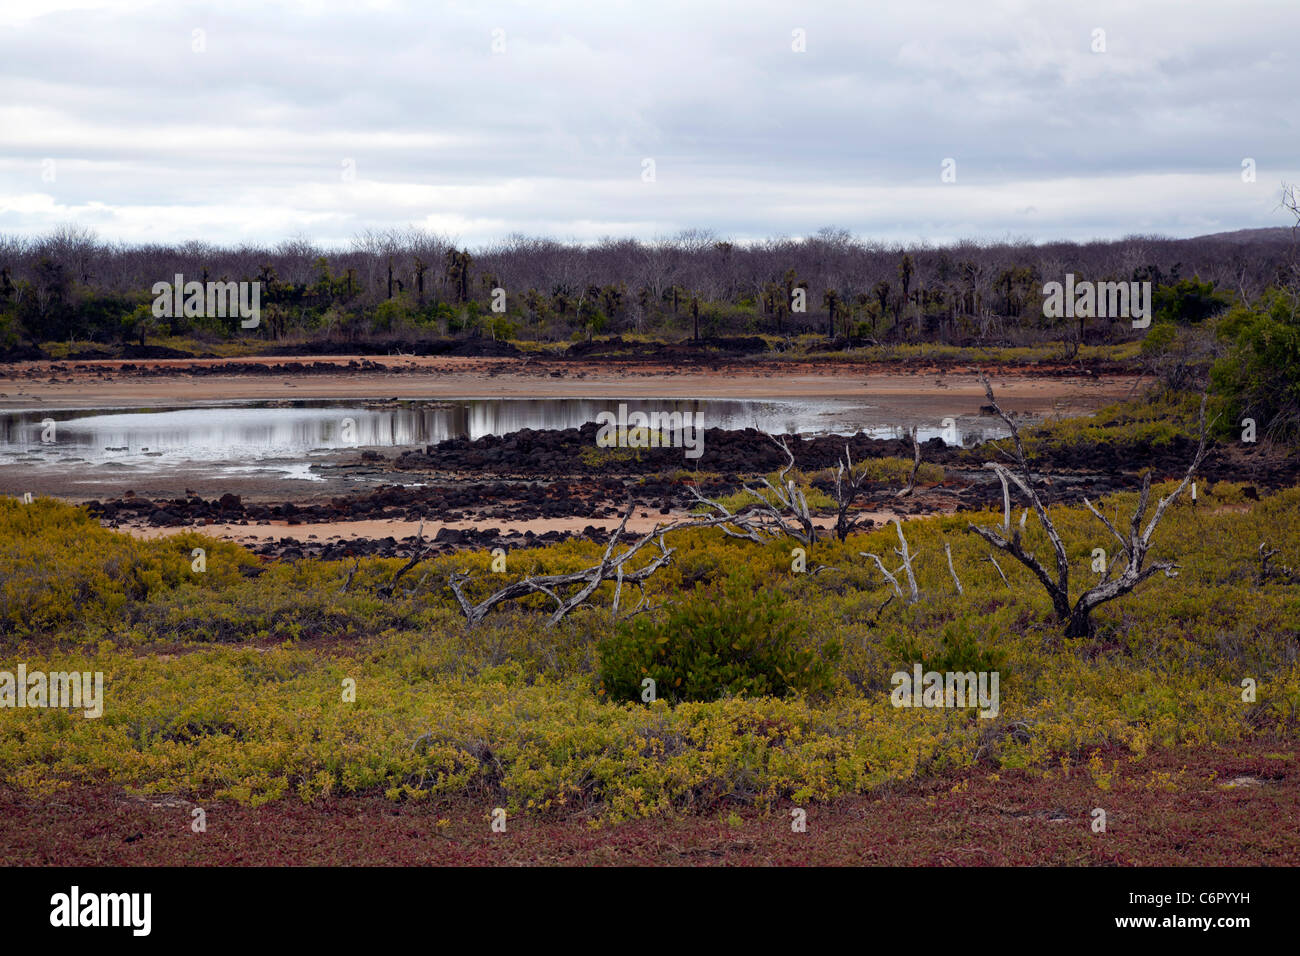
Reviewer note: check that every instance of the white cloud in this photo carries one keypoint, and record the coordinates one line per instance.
(246, 140)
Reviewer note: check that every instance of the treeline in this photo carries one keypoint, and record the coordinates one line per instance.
(413, 284)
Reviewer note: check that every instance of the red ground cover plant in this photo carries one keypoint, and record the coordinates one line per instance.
(1205, 806)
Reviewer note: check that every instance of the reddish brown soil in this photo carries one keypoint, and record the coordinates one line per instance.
(1179, 807)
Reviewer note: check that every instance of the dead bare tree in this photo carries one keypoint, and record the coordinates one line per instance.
(1291, 203)
(418, 551)
(643, 605)
(1076, 617)
(916, 466)
(784, 514)
(847, 487)
(348, 583)
(1269, 573)
(572, 589)
(734, 524)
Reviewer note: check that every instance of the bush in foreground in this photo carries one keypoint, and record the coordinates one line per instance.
(727, 642)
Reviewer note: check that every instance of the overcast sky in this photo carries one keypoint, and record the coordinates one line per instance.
(321, 119)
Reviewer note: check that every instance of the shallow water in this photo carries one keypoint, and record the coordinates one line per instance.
(285, 437)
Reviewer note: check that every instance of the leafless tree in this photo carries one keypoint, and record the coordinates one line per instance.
(1291, 203)
(73, 247)
(916, 466)
(848, 484)
(1076, 616)
(418, 551)
(1269, 573)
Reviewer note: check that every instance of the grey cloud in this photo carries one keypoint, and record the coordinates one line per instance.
(247, 139)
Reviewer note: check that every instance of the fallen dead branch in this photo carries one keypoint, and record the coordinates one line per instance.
(572, 589)
(908, 557)
(784, 514)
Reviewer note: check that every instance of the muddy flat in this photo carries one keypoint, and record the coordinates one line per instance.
(167, 381)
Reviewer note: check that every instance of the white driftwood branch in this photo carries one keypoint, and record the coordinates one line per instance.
(907, 557)
(610, 567)
(947, 549)
(780, 509)
(881, 565)
(906, 567)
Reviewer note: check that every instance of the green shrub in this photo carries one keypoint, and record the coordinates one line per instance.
(1259, 378)
(61, 572)
(1187, 302)
(817, 500)
(958, 650)
(732, 641)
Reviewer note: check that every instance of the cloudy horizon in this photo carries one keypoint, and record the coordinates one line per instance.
(251, 122)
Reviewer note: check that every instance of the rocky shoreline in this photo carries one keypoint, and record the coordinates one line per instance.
(538, 477)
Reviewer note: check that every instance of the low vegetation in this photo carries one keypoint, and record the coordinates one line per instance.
(233, 682)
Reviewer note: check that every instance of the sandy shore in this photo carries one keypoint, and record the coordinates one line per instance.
(56, 385)
(255, 534)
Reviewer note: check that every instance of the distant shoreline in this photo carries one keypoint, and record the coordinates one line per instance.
(28, 385)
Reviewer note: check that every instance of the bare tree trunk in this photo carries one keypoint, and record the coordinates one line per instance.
(916, 466)
(846, 491)
(1076, 616)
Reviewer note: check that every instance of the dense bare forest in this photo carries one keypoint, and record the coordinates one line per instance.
(404, 285)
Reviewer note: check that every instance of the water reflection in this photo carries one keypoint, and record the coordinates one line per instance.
(259, 432)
